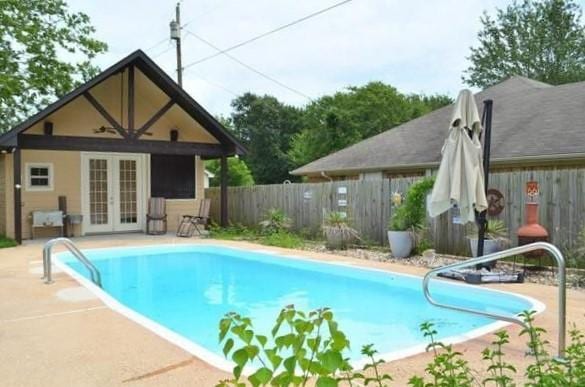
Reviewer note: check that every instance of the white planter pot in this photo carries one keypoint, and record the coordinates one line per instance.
(401, 243)
(489, 246)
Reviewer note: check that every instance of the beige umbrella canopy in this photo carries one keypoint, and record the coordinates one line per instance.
(460, 180)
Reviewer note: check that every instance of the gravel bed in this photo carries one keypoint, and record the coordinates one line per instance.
(575, 278)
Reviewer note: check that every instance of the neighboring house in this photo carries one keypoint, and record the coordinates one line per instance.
(535, 125)
(126, 135)
(206, 176)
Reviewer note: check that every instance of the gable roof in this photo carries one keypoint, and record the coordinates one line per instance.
(531, 119)
(161, 79)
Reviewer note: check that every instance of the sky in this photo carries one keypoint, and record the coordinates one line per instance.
(417, 46)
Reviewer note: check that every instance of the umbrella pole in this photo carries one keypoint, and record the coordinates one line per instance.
(487, 137)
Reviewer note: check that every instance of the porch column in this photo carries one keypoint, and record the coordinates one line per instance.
(223, 193)
(17, 196)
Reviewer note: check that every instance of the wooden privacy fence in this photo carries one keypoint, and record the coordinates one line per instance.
(368, 205)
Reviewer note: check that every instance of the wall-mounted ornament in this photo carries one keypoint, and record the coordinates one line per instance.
(495, 201)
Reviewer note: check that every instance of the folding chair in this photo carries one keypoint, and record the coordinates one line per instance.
(191, 223)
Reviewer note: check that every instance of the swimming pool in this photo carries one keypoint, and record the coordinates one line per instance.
(182, 291)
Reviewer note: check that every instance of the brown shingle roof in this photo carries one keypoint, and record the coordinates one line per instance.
(530, 119)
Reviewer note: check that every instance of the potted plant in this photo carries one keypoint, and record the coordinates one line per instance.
(408, 216)
(337, 232)
(496, 234)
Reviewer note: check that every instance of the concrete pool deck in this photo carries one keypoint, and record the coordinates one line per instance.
(61, 335)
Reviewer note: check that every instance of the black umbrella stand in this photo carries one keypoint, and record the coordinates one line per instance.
(488, 105)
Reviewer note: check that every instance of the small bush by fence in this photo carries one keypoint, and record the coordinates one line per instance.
(368, 205)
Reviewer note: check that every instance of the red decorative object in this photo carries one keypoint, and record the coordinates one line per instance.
(532, 192)
(532, 231)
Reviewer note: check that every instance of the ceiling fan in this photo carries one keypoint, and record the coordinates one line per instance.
(110, 130)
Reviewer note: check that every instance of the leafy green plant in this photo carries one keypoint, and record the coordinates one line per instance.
(337, 231)
(309, 349)
(448, 367)
(500, 371)
(302, 346)
(275, 221)
(495, 230)
(411, 213)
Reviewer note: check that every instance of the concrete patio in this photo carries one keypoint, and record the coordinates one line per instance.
(61, 335)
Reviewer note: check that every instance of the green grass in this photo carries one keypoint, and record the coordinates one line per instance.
(241, 233)
(6, 242)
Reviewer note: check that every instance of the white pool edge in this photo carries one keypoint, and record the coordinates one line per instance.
(226, 365)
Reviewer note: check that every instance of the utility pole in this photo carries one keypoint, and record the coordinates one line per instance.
(176, 36)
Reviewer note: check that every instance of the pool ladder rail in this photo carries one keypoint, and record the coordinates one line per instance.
(47, 255)
(562, 305)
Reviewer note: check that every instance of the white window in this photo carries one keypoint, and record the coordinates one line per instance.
(39, 177)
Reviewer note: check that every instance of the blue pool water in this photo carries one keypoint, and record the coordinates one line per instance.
(188, 288)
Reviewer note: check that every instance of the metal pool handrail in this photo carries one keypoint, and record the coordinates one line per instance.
(47, 250)
(553, 250)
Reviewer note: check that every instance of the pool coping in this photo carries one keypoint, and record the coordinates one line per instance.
(222, 363)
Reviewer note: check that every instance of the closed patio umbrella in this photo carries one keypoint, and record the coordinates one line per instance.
(460, 179)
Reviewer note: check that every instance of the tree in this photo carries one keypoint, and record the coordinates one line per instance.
(35, 37)
(238, 173)
(335, 122)
(266, 126)
(542, 40)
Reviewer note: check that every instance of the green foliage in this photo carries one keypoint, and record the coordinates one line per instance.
(411, 214)
(448, 367)
(576, 254)
(501, 373)
(335, 122)
(265, 126)
(337, 231)
(34, 36)
(275, 221)
(284, 239)
(7, 242)
(231, 232)
(542, 40)
(310, 348)
(495, 229)
(238, 173)
(301, 347)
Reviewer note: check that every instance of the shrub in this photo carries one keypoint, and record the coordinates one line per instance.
(275, 221)
(231, 232)
(337, 231)
(495, 229)
(411, 214)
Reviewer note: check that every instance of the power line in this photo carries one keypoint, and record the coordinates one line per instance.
(264, 75)
(157, 44)
(163, 52)
(268, 33)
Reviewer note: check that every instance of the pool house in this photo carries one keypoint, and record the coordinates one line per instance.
(98, 153)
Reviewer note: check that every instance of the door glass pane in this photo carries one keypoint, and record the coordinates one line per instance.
(128, 211)
(98, 191)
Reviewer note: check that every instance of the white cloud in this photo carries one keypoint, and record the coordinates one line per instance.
(415, 45)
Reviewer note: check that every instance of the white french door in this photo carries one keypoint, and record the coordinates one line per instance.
(112, 192)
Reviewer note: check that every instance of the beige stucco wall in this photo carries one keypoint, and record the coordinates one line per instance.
(3, 188)
(67, 182)
(80, 118)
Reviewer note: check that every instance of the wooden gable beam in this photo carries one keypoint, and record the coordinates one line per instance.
(155, 117)
(131, 100)
(105, 114)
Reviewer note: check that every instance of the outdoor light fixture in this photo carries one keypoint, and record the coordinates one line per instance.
(48, 128)
(174, 135)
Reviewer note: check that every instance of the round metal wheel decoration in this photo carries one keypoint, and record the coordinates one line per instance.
(495, 201)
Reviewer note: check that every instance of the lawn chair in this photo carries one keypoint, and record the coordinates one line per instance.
(156, 219)
(192, 223)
